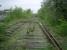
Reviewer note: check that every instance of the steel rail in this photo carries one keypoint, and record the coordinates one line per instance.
(49, 36)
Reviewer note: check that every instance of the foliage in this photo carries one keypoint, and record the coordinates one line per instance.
(2, 33)
(13, 15)
(17, 13)
(53, 13)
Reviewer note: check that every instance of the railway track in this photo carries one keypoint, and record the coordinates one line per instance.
(49, 36)
(14, 27)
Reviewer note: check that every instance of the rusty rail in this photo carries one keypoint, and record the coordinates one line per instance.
(50, 37)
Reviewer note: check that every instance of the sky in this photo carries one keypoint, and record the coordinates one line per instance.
(34, 5)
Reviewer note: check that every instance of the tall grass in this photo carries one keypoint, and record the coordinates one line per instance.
(12, 15)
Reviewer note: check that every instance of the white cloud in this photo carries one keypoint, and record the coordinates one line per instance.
(32, 4)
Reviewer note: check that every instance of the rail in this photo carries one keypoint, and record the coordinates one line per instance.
(49, 36)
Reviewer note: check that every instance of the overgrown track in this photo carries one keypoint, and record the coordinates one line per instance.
(49, 36)
(14, 27)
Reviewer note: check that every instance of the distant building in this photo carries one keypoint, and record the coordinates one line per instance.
(3, 14)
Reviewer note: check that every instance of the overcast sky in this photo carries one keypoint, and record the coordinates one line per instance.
(34, 5)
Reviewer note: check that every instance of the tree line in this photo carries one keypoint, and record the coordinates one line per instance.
(54, 13)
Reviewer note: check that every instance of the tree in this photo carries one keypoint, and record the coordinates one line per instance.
(53, 13)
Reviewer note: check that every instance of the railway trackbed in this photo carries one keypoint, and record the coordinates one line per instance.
(34, 36)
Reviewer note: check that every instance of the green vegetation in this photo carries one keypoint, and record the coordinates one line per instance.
(13, 16)
(17, 13)
(54, 14)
